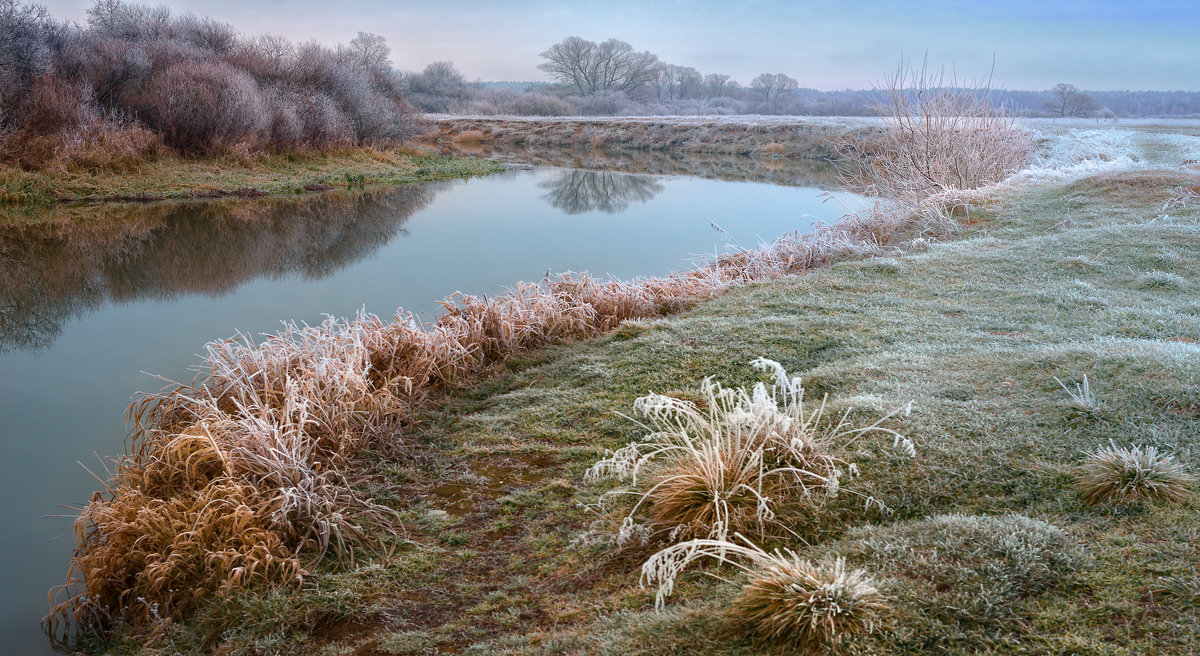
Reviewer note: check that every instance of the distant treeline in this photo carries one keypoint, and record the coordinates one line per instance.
(610, 77)
(134, 79)
(854, 102)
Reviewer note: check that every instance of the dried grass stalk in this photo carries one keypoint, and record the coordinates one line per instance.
(725, 467)
(787, 603)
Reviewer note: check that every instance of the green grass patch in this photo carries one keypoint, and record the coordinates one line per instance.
(173, 177)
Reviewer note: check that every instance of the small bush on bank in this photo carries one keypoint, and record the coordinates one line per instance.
(725, 466)
(787, 603)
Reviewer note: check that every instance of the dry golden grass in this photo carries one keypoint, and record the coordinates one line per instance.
(469, 137)
(798, 606)
(723, 468)
(1133, 475)
(788, 604)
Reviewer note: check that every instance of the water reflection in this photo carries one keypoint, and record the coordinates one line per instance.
(67, 264)
(577, 191)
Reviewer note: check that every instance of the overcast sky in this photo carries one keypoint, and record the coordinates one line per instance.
(1097, 45)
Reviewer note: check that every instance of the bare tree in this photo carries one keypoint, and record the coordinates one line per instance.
(1068, 100)
(370, 51)
(772, 86)
(717, 84)
(691, 82)
(592, 67)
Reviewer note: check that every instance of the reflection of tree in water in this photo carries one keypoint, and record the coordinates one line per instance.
(578, 191)
(58, 268)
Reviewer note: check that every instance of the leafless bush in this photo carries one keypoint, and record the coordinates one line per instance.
(196, 82)
(202, 108)
(504, 102)
(604, 103)
(938, 140)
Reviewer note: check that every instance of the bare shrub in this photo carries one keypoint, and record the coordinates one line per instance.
(195, 82)
(605, 103)
(788, 602)
(200, 108)
(504, 102)
(1132, 475)
(938, 140)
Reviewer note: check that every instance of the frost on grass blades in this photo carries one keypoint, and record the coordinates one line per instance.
(1132, 475)
(723, 468)
(787, 602)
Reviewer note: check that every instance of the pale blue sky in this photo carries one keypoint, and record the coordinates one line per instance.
(1152, 44)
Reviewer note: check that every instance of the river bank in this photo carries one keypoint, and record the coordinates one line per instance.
(169, 177)
(761, 136)
(507, 554)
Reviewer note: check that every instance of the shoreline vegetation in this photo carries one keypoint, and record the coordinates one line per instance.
(393, 486)
(769, 138)
(504, 548)
(164, 178)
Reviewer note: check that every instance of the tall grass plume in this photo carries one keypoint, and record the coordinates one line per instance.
(725, 466)
(788, 603)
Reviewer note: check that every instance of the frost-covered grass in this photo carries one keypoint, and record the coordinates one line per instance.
(504, 552)
(511, 558)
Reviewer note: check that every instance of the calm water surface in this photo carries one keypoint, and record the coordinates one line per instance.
(88, 306)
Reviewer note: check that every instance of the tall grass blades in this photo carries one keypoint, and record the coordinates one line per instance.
(1082, 395)
(788, 603)
(725, 467)
(1132, 475)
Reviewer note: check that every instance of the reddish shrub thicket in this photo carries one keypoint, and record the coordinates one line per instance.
(136, 76)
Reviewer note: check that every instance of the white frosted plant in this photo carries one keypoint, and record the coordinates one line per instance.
(725, 466)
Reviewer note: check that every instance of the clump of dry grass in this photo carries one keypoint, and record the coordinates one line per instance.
(1132, 475)
(725, 467)
(939, 144)
(282, 421)
(787, 603)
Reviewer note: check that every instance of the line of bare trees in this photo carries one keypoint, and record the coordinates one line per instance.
(135, 78)
(613, 73)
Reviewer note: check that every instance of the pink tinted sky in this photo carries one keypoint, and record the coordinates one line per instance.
(1151, 44)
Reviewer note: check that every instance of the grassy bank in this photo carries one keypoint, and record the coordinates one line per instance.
(506, 553)
(171, 177)
(762, 137)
